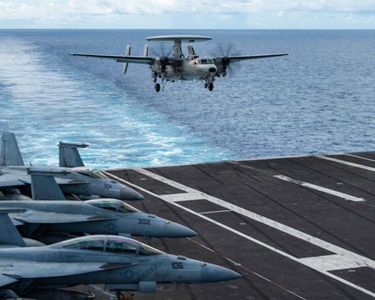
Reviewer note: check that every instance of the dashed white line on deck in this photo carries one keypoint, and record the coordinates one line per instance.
(320, 188)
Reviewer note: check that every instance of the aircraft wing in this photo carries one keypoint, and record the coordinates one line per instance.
(244, 57)
(5, 280)
(39, 217)
(8, 179)
(120, 58)
(18, 270)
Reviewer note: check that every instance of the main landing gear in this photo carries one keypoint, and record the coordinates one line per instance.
(210, 86)
(209, 83)
(157, 87)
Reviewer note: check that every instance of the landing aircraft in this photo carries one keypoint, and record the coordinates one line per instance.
(76, 181)
(178, 67)
(57, 219)
(122, 263)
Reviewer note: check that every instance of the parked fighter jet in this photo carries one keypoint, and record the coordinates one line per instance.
(79, 181)
(121, 263)
(57, 219)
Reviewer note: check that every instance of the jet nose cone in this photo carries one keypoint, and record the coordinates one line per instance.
(214, 273)
(175, 230)
(130, 194)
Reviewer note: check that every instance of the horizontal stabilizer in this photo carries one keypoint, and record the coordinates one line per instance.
(9, 235)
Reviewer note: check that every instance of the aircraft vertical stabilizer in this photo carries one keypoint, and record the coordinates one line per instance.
(44, 187)
(127, 53)
(9, 235)
(10, 153)
(69, 156)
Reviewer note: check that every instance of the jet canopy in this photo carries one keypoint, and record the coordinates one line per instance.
(93, 173)
(108, 243)
(113, 205)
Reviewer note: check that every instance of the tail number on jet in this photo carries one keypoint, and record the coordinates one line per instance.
(177, 265)
(144, 221)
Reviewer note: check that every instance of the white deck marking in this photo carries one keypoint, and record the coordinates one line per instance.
(318, 265)
(332, 262)
(182, 197)
(344, 162)
(215, 211)
(361, 157)
(320, 188)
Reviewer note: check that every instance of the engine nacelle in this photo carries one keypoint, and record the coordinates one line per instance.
(164, 60)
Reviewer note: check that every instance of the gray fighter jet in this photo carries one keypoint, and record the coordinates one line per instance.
(57, 219)
(14, 179)
(121, 263)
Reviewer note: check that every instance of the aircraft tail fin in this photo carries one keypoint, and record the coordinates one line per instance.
(127, 52)
(9, 235)
(145, 51)
(10, 153)
(44, 186)
(69, 156)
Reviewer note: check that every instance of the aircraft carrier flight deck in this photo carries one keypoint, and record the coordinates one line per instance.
(295, 227)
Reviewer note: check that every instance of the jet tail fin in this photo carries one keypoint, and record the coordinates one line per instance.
(44, 186)
(145, 51)
(9, 235)
(127, 53)
(69, 156)
(10, 153)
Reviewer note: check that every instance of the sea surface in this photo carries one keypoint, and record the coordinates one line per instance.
(319, 99)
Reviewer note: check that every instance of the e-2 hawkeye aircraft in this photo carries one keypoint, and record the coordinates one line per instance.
(122, 263)
(178, 67)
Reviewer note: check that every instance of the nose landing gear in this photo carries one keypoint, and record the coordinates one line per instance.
(209, 84)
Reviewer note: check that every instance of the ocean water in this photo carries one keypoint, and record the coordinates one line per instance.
(319, 99)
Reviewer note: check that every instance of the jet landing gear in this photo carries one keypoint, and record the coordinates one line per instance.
(209, 85)
(157, 87)
(161, 75)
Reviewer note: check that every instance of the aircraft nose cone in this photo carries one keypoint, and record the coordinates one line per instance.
(175, 230)
(130, 194)
(215, 273)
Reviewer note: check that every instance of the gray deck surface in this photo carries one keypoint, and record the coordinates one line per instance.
(295, 228)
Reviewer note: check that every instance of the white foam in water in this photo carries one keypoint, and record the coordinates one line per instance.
(43, 105)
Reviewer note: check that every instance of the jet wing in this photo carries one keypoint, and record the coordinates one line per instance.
(120, 58)
(8, 179)
(5, 280)
(39, 217)
(13, 271)
(244, 57)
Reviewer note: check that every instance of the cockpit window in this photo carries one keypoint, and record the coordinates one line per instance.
(88, 243)
(205, 61)
(113, 204)
(116, 244)
(147, 250)
(93, 173)
(123, 246)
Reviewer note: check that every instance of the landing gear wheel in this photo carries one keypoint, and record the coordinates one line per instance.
(205, 85)
(211, 87)
(157, 87)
